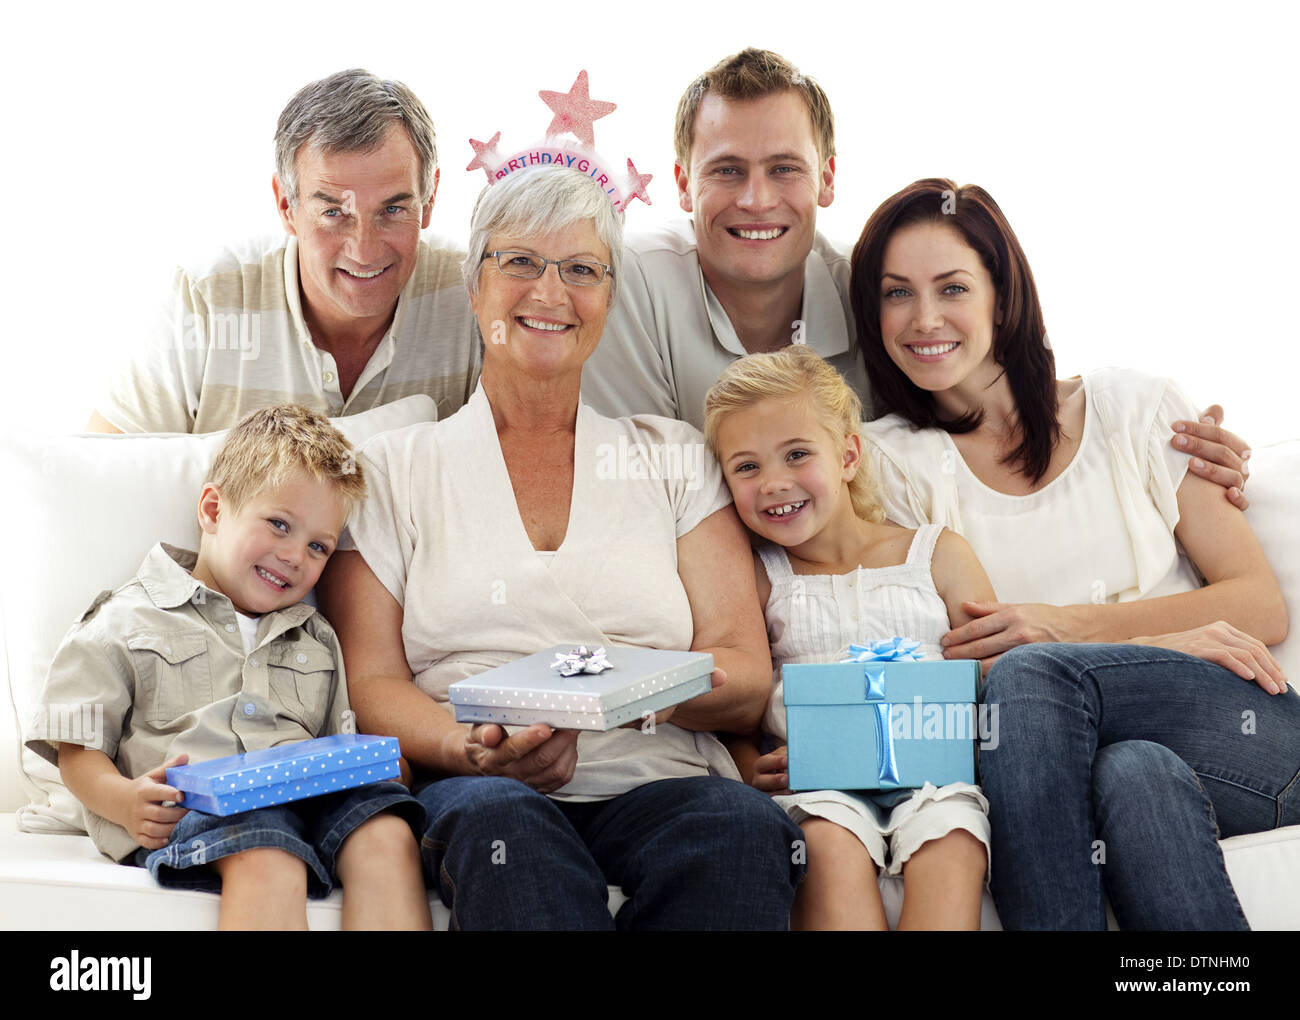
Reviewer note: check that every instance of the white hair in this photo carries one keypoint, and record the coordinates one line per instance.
(541, 200)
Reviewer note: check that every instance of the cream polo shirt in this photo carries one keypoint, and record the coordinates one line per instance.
(163, 661)
(667, 337)
(232, 339)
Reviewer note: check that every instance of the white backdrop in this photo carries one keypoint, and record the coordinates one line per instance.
(1145, 154)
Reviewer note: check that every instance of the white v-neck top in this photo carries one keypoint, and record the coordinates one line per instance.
(442, 532)
(1101, 531)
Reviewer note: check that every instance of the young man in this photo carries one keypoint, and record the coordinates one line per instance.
(755, 160)
(351, 310)
(207, 656)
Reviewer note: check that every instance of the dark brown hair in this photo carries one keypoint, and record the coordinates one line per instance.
(1019, 342)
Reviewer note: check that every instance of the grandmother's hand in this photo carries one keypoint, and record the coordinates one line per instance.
(1226, 646)
(539, 756)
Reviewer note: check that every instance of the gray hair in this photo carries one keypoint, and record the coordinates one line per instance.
(351, 111)
(541, 200)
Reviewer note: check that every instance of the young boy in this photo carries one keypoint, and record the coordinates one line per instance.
(197, 658)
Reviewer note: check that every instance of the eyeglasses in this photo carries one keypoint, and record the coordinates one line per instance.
(527, 266)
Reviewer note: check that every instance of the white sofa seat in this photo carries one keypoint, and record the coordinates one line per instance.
(79, 512)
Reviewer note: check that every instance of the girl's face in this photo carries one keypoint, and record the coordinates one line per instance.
(787, 473)
(938, 310)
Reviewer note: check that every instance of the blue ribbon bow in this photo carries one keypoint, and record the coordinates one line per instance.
(873, 656)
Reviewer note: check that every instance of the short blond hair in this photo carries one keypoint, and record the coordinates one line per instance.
(753, 74)
(269, 445)
(799, 373)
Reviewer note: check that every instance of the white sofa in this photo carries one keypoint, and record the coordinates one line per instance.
(82, 512)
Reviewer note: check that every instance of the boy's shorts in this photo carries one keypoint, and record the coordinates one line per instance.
(312, 830)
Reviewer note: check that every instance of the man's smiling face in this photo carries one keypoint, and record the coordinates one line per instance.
(754, 184)
(357, 217)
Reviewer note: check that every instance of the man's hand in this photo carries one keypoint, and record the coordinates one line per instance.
(1226, 646)
(539, 756)
(143, 815)
(771, 773)
(1216, 453)
(1000, 626)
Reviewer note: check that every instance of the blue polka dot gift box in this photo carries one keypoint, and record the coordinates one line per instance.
(576, 687)
(277, 775)
(883, 720)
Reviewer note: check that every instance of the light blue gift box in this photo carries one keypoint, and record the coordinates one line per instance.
(880, 725)
(277, 775)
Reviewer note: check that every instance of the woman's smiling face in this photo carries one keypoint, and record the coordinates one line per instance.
(938, 308)
(543, 327)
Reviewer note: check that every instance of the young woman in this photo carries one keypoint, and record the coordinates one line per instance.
(1118, 765)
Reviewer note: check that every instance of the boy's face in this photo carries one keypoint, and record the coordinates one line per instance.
(270, 553)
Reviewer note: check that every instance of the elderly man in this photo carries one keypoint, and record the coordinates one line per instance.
(353, 309)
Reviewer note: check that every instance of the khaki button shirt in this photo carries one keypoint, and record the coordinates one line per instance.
(157, 668)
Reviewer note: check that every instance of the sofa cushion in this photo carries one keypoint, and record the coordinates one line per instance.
(88, 509)
(1274, 491)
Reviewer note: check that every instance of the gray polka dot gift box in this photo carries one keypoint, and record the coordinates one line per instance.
(277, 775)
(580, 688)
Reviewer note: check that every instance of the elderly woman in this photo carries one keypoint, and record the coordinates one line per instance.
(498, 533)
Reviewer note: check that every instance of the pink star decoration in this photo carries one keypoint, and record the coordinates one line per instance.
(637, 182)
(481, 149)
(575, 110)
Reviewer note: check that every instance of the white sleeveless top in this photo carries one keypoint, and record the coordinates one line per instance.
(813, 617)
(1101, 531)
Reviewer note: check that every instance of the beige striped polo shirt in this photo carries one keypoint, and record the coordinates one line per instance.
(232, 339)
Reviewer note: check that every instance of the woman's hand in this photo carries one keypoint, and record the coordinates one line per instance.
(998, 627)
(538, 756)
(771, 773)
(1226, 646)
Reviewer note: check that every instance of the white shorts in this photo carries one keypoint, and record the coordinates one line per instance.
(892, 835)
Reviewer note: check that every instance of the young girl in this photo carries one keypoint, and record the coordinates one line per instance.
(784, 427)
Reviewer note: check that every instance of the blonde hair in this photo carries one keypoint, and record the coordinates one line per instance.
(799, 373)
(267, 446)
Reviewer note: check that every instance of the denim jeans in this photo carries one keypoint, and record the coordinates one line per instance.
(700, 853)
(313, 830)
(1117, 769)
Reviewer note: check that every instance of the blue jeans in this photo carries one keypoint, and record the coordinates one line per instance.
(313, 830)
(1117, 769)
(698, 853)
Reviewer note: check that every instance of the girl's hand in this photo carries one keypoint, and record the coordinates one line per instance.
(1226, 646)
(998, 627)
(770, 773)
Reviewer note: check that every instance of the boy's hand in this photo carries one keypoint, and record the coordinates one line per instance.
(149, 823)
(770, 773)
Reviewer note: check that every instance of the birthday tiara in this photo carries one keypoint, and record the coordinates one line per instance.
(574, 113)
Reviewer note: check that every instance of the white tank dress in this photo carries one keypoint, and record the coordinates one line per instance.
(813, 618)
